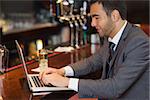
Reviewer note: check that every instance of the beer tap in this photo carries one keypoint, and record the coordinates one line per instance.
(84, 28)
(71, 2)
(76, 34)
(77, 23)
(84, 7)
(81, 42)
(71, 32)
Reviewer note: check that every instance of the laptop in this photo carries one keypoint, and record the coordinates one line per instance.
(35, 84)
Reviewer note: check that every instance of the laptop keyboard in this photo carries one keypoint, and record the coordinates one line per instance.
(38, 82)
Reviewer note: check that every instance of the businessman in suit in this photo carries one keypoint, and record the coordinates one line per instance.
(125, 65)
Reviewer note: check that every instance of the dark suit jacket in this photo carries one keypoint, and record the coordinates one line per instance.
(129, 67)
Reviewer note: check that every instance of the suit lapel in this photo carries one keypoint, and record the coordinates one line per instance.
(120, 45)
(106, 55)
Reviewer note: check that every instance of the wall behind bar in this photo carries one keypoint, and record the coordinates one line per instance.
(138, 11)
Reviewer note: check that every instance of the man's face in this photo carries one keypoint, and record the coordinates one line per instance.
(100, 20)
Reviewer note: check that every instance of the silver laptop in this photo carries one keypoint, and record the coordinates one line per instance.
(35, 84)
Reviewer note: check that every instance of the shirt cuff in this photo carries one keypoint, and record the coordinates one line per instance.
(73, 84)
(68, 71)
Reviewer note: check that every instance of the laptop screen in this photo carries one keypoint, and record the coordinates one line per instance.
(21, 56)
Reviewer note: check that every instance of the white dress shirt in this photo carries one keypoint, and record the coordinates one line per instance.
(73, 82)
(117, 37)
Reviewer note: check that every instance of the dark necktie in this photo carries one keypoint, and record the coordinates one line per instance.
(111, 52)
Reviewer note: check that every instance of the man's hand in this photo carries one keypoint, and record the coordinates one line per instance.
(50, 70)
(55, 79)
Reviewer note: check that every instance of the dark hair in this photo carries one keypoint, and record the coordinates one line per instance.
(110, 5)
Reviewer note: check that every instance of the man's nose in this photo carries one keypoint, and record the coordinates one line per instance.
(93, 23)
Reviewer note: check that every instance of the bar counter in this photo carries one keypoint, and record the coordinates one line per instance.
(13, 85)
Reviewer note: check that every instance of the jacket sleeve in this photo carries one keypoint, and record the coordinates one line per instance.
(89, 65)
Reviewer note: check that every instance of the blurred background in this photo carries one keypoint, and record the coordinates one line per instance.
(51, 23)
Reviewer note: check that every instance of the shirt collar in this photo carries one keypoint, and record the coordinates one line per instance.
(117, 37)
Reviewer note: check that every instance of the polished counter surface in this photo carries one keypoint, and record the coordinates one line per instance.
(13, 85)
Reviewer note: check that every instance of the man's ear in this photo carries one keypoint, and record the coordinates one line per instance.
(115, 15)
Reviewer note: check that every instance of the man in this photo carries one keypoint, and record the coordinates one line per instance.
(125, 74)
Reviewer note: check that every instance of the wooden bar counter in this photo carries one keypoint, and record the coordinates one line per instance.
(13, 85)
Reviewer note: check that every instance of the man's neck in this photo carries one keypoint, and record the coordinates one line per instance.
(119, 25)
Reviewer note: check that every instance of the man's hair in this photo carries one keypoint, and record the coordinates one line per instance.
(110, 5)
